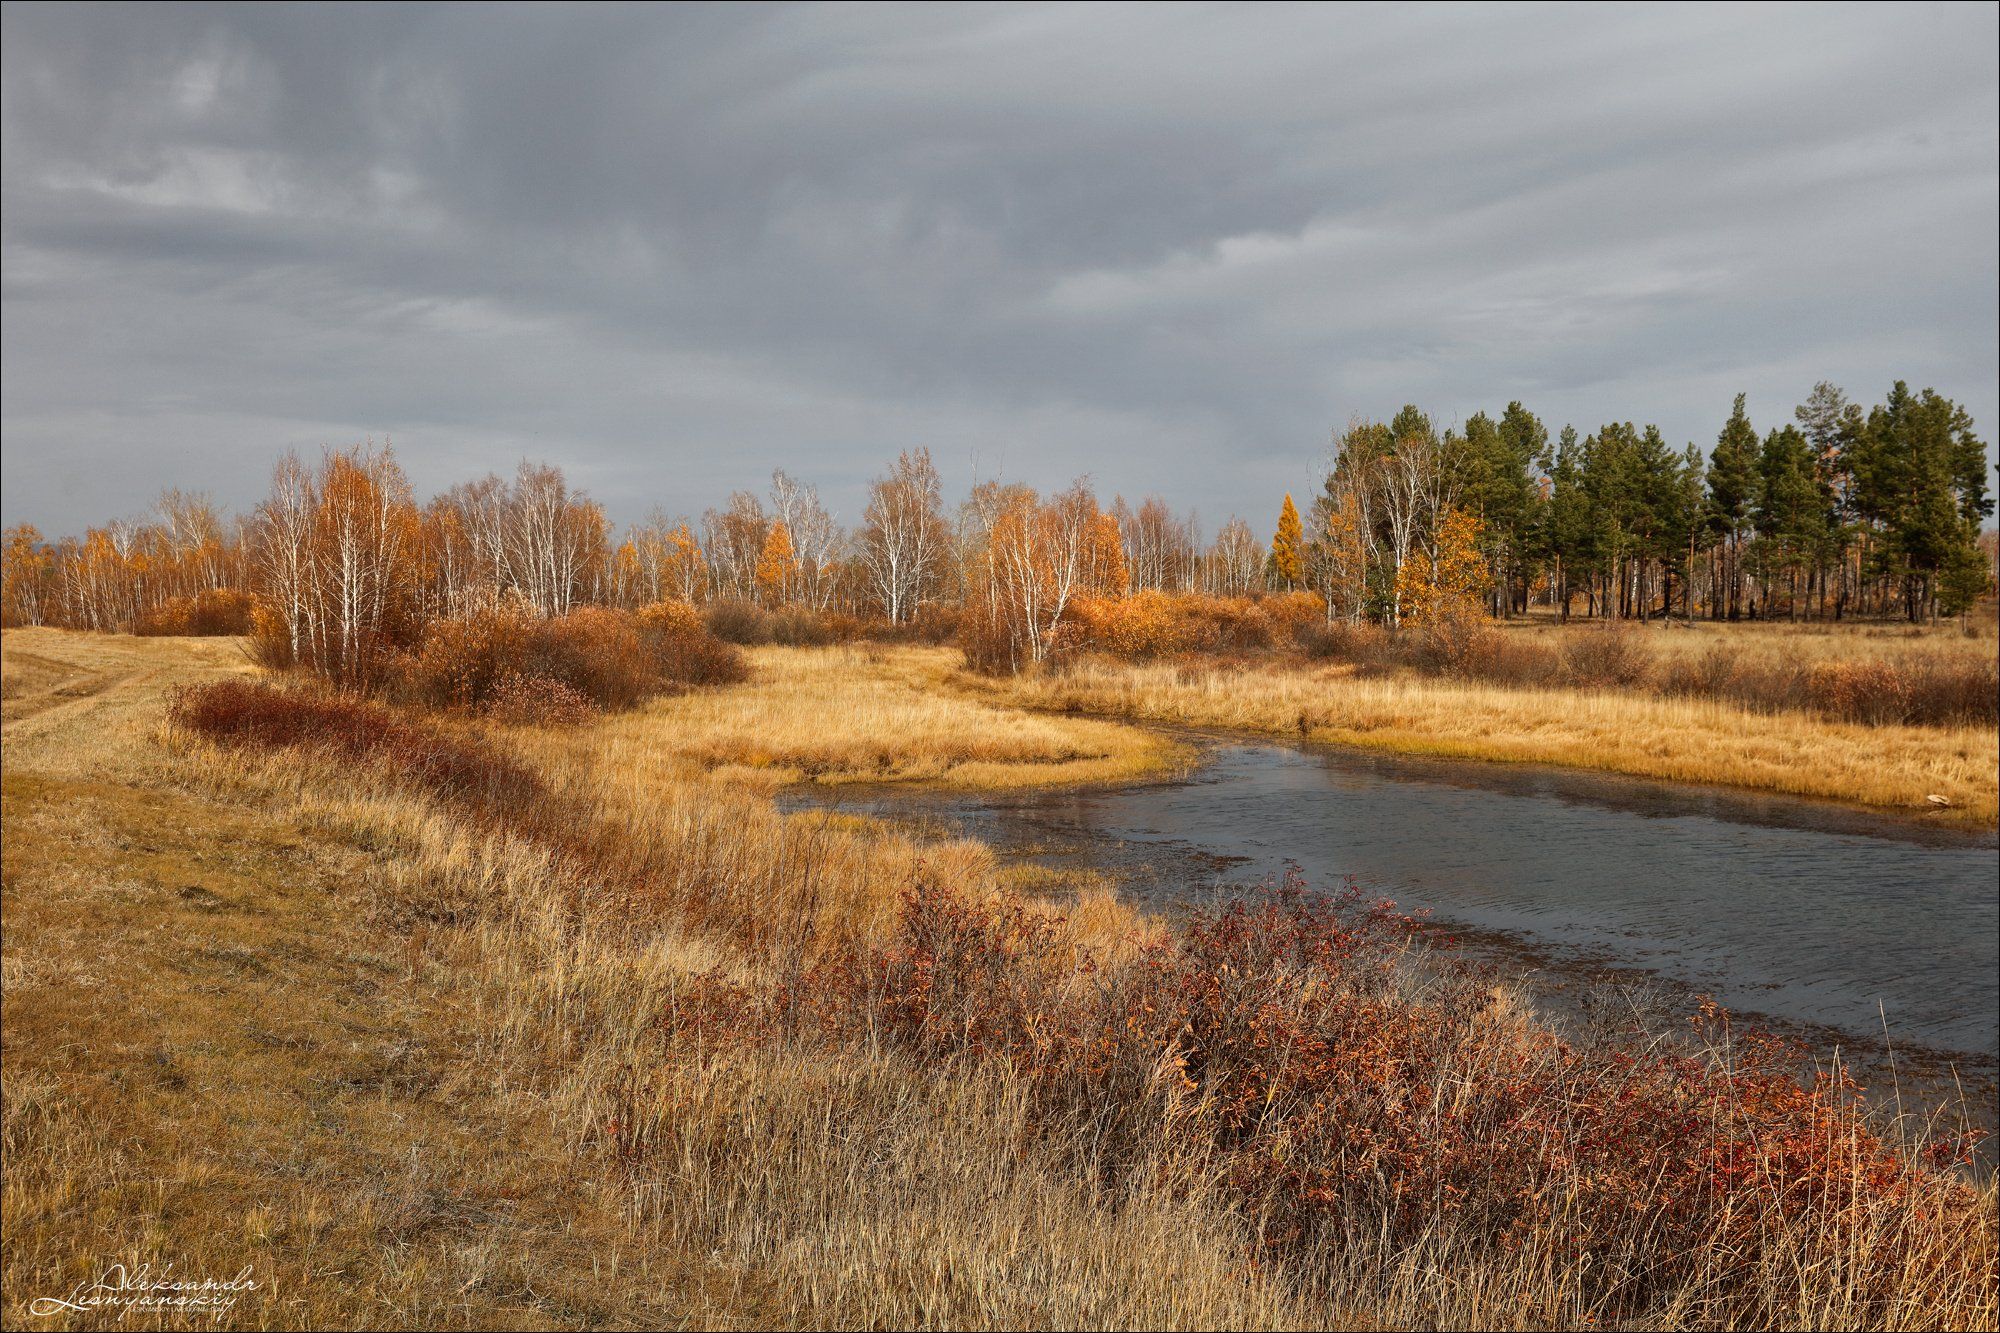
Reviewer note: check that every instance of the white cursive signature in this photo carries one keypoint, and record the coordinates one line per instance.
(128, 1289)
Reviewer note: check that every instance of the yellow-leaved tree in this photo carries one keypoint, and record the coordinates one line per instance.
(1288, 547)
(1445, 579)
(776, 566)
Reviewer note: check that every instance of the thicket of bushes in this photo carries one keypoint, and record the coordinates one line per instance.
(522, 667)
(214, 611)
(1151, 624)
(752, 625)
(1359, 1097)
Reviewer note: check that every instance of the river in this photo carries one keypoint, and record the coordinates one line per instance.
(1856, 930)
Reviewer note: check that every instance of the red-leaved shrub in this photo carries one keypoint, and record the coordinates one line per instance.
(1358, 1095)
(260, 716)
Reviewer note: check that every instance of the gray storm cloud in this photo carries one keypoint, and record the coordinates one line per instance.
(671, 249)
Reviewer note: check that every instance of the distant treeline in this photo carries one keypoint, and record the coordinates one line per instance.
(1842, 511)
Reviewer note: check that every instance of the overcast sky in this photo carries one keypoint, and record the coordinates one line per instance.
(670, 249)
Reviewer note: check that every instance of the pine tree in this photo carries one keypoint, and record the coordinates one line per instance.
(1791, 508)
(1732, 490)
(1566, 527)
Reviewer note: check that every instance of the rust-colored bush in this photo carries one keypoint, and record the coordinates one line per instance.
(991, 645)
(461, 660)
(1863, 691)
(1453, 641)
(684, 651)
(610, 659)
(213, 611)
(933, 623)
(1942, 692)
(1366, 646)
(596, 651)
(1715, 674)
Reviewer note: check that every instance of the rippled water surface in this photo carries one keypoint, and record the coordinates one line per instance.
(1787, 908)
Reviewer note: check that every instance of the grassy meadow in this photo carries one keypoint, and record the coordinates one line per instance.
(433, 1020)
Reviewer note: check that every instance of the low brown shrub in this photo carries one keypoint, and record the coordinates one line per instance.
(537, 701)
(1362, 645)
(1942, 693)
(1607, 655)
(989, 644)
(1452, 642)
(1862, 691)
(933, 624)
(595, 651)
(749, 624)
(1715, 674)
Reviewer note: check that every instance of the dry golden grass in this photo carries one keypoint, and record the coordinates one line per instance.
(1886, 767)
(413, 1070)
(880, 714)
(1760, 641)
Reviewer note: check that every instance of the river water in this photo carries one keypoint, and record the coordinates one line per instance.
(1857, 930)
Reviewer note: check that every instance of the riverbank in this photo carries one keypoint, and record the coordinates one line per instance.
(1884, 768)
(448, 1024)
